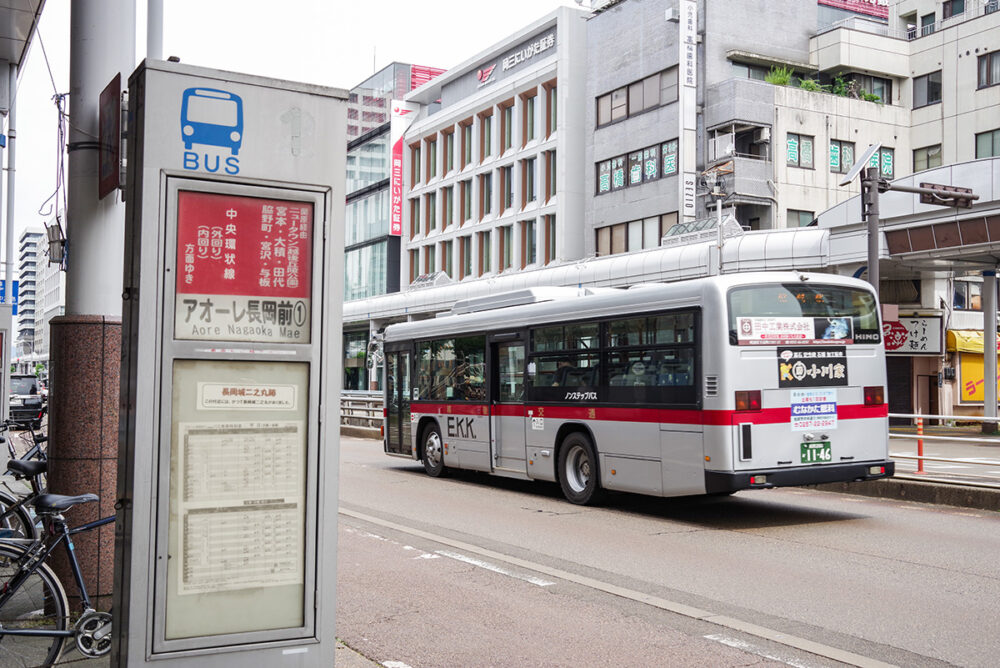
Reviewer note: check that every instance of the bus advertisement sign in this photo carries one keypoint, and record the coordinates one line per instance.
(813, 409)
(812, 367)
(243, 268)
(773, 330)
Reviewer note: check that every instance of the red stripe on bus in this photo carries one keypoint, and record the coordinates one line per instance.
(657, 415)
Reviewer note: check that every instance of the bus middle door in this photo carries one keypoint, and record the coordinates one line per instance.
(507, 403)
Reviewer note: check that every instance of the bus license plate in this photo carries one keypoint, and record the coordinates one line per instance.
(816, 452)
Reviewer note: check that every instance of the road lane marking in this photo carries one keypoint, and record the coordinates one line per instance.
(753, 649)
(492, 567)
(724, 621)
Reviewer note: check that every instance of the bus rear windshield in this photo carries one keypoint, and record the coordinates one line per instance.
(784, 314)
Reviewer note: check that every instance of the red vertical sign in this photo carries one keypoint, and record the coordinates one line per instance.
(243, 268)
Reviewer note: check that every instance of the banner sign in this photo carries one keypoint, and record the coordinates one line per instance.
(812, 367)
(879, 8)
(243, 268)
(402, 116)
(774, 330)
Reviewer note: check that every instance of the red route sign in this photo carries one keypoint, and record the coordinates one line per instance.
(243, 268)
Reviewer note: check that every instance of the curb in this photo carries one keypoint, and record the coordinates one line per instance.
(361, 432)
(959, 495)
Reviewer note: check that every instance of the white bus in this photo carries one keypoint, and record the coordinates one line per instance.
(706, 386)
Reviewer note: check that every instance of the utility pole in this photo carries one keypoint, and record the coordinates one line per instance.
(86, 342)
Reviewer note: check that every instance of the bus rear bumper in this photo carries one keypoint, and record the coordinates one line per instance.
(721, 482)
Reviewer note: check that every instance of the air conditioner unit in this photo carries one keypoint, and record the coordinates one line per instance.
(762, 136)
(673, 14)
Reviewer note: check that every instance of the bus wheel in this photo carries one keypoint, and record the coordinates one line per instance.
(578, 474)
(433, 452)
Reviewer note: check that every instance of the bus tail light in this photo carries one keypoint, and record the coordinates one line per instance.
(758, 480)
(874, 395)
(748, 400)
(876, 470)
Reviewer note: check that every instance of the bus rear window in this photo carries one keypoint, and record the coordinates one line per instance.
(785, 314)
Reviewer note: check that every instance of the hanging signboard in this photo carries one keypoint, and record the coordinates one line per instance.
(912, 336)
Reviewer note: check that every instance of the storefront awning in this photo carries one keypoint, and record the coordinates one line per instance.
(966, 341)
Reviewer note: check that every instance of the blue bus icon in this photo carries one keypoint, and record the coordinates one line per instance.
(212, 117)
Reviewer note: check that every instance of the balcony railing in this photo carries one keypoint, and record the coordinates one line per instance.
(973, 9)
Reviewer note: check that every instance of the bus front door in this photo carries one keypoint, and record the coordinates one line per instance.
(397, 433)
(507, 406)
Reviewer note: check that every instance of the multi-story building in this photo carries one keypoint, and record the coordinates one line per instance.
(30, 257)
(371, 254)
(51, 302)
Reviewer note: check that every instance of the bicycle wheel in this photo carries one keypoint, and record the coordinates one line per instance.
(16, 523)
(40, 604)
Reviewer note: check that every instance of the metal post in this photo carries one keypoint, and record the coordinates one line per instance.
(718, 224)
(154, 29)
(869, 190)
(989, 350)
(11, 135)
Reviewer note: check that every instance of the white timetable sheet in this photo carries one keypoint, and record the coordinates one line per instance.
(240, 508)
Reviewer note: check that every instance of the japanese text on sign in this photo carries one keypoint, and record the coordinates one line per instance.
(243, 268)
(813, 367)
(813, 409)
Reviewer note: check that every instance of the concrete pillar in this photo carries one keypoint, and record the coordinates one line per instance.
(989, 350)
(86, 342)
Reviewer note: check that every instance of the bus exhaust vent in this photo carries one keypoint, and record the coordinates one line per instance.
(711, 386)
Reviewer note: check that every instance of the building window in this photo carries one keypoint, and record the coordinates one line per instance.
(747, 71)
(528, 118)
(799, 151)
(466, 142)
(927, 158)
(414, 264)
(465, 195)
(885, 160)
(550, 238)
(506, 125)
(446, 257)
(528, 193)
(485, 135)
(669, 157)
(951, 8)
(968, 296)
(927, 89)
(414, 217)
(485, 252)
(927, 24)
(841, 156)
(485, 194)
(634, 235)
(506, 247)
(877, 87)
(988, 144)
(506, 188)
(429, 259)
(464, 257)
(989, 69)
(635, 98)
(447, 206)
(552, 108)
(798, 218)
(527, 243)
(637, 167)
(432, 156)
(431, 211)
(449, 151)
(550, 175)
(416, 169)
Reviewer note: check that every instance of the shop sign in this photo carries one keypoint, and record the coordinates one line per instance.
(812, 367)
(879, 8)
(764, 331)
(813, 409)
(912, 336)
(972, 377)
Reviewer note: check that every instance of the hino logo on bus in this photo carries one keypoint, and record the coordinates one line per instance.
(461, 428)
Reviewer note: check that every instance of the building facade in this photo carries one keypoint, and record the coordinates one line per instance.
(30, 259)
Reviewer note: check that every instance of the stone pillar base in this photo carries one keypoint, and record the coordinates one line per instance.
(85, 366)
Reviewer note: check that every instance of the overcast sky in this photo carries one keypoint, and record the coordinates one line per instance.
(329, 42)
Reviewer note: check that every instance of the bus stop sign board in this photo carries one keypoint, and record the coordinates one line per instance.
(226, 533)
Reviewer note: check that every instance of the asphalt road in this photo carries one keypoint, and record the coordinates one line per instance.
(480, 571)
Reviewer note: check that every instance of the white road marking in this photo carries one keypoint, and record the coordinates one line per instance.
(395, 664)
(752, 649)
(496, 569)
(724, 621)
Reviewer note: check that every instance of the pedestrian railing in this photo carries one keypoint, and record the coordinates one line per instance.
(918, 420)
(361, 409)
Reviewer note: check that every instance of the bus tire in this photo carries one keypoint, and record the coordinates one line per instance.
(433, 451)
(579, 476)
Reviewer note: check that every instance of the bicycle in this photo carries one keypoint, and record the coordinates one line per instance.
(35, 616)
(16, 523)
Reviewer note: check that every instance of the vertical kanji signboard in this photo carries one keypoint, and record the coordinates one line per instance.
(226, 543)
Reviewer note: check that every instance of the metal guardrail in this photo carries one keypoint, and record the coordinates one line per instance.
(920, 436)
(361, 409)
